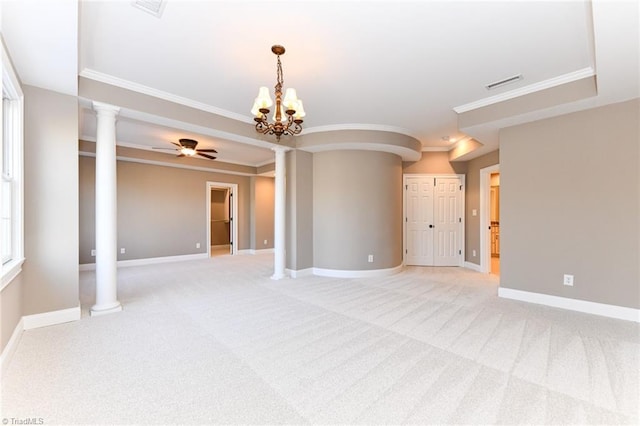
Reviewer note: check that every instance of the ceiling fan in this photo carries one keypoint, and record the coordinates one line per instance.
(187, 148)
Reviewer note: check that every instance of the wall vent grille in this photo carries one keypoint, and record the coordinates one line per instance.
(504, 82)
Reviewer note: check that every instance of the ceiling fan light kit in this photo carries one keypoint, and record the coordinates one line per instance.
(187, 148)
(288, 114)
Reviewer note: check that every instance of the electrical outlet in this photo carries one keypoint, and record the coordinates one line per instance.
(197, 245)
(568, 280)
(93, 252)
(122, 251)
(370, 259)
(474, 253)
(265, 242)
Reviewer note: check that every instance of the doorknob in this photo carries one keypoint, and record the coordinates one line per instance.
(430, 226)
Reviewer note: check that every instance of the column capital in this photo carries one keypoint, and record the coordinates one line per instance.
(101, 107)
(281, 148)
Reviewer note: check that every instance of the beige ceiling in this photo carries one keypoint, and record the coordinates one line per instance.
(410, 67)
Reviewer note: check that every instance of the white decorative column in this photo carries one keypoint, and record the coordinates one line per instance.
(106, 211)
(279, 214)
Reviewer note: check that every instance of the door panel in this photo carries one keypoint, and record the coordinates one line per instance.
(448, 222)
(419, 200)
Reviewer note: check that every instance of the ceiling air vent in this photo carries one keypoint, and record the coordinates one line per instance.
(154, 7)
(504, 82)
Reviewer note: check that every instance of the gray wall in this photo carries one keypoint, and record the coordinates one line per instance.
(262, 205)
(50, 280)
(434, 163)
(570, 195)
(472, 202)
(357, 210)
(161, 210)
(299, 223)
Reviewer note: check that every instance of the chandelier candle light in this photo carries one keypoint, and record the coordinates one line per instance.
(289, 112)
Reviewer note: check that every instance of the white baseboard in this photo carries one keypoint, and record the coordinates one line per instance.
(472, 266)
(148, 261)
(46, 319)
(11, 346)
(300, 272)
(253, 251)
(339, 273)
(611, 311)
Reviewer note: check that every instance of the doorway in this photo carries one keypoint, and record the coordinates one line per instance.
(433, 220)
(494, 201)
(222, 227)
(490, 220)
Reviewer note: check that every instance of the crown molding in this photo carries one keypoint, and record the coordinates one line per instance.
(436, 148)
(359, 126)
(169, 164)
(526, 90)
(146, 90)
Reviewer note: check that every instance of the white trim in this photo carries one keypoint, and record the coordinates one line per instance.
(406, 153)
(163, 164)
(13, 90)
(10, 271)
(300, 272)
(370, 273)
(172, 154)
(437, 148)
(92, 139)
(610, 311)
(233, 187)
(46, 319)
(148, 261)
(472, 266)
(146, 90)
(254, 251)
(485, 216)
(11, 346)
(359, 126)
(526, 90)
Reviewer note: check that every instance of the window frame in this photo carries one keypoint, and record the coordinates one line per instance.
(12, 110)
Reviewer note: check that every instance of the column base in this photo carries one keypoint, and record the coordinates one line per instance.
(278, 276)
(106, 309)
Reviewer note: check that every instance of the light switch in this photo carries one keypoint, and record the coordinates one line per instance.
(474, 212)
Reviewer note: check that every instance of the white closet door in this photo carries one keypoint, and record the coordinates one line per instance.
(433, 221)
(448, 222)
(419, 221)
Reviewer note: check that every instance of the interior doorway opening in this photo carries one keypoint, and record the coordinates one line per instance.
(490, 220)
(222, 228)
(495, 223)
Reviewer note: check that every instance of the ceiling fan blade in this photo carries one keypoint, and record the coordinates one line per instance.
(181, 155)
(177, 144)
(170, 149)
(206, 156)
(207, 150)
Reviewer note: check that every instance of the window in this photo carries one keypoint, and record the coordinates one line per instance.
(11, 188)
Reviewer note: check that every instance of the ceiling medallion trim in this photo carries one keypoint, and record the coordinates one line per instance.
(526, 90)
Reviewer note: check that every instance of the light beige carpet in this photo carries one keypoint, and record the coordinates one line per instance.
(217, 341)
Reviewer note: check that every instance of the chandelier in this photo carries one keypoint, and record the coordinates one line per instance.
(287, 118)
